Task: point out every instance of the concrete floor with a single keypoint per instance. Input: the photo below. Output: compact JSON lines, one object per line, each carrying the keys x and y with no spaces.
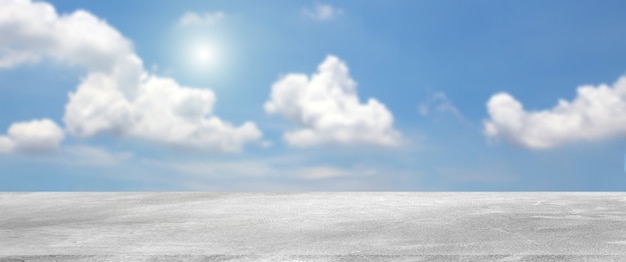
{"x":312,"y":227}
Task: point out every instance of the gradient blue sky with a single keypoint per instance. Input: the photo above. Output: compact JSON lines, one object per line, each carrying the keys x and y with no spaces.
{"x":434,"y":65}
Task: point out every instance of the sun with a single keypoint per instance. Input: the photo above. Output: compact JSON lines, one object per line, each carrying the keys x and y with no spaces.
{"x":205,"y":55}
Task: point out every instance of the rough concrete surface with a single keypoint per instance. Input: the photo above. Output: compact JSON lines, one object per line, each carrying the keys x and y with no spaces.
{"x":312,"y":226}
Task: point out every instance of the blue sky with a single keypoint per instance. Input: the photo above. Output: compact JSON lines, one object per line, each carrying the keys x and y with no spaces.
{"x":312,"y":95}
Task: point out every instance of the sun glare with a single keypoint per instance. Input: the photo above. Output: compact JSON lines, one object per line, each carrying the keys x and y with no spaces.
{"x":204,"y":55}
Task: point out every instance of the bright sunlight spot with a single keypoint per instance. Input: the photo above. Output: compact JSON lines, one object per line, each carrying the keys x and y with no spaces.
{"x":204,"y":55}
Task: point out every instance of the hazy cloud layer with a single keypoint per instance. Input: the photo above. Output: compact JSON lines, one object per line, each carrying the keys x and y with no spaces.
{"x":117,"y":96}
{"x":327,"y":107}
{"x":321,"y":12}
{"x":193,"y":18}
{"x":439,"y":102}
{"x":88,"y":155}
{"x":288,"y":167}
{"x":36,"y":136}
{"x":596,"y":113}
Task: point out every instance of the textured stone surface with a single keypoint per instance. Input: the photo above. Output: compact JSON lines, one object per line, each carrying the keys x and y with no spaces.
{"x":312,"y":227}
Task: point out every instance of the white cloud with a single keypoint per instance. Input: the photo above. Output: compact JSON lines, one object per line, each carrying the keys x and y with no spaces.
{"x":192,"y":18}
{"x":31,"y":30}
{"x":322,"y":12}
{"x":162,"y":111}
{"x":36,"y":136}
{"x":328,"y":108}
{"x":596,"y":113}
{"x":117,"y":96}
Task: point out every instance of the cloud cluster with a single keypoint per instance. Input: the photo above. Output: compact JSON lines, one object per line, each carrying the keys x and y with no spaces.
{"x":162,"y":111}
{"x":328,"y":108}
{"x":596,"y":113}
{"x":117,"y":95}
{"x":192,"y":18}
{"x":322,"y":12}
{"x":36,"y":136}
{"x":32,"y":30}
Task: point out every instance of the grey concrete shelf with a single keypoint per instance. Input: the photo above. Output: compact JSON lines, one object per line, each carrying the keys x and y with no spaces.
{"x":313,"y":226}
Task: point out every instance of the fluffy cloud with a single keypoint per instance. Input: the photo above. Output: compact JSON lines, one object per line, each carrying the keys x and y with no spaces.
{"x":596,"y":113}
{"x":162,"y":111}
{"x":31,"y":30}
{"x":36,"y":136}
{"x":117,"y":95}
{"x":191,"y":18}
{"x":322,"y":12}
{"x":328,"y":108}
